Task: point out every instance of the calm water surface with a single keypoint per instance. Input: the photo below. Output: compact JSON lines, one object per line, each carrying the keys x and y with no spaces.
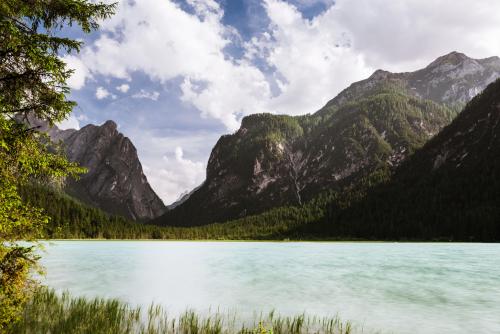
{"x":392,"y":287}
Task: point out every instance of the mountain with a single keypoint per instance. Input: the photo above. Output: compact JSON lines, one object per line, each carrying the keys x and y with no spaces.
{"x":276,"y":160}
{"x":453,"y":79}
{"x":449,"y":189}
{"x":115,"y":181}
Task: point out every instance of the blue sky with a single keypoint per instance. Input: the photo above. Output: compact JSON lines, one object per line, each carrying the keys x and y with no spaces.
{"x":177,"y":74}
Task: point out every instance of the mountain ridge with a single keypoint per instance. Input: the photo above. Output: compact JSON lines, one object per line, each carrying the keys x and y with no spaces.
{"x":275,"y":160}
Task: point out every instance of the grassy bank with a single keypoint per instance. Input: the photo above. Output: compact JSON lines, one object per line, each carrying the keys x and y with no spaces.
{"x":49,"y":312}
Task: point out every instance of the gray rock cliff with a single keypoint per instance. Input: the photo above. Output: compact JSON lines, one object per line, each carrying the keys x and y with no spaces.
{"x":115,"y":181}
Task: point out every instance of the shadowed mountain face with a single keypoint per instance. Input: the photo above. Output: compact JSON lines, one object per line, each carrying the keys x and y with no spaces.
{"x":376,"y":123}
{"x":115,"y":181}
{"x":449,"y":189}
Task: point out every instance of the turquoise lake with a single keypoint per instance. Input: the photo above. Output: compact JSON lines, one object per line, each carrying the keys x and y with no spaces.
{"x":390,"y":287}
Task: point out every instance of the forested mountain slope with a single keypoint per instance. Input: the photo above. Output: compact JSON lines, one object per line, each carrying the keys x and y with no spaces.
{"x":449,"y":189}
{"x":374,"y":124}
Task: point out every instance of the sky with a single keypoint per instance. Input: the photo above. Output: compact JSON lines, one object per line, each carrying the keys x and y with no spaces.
{"x":175,"y":75}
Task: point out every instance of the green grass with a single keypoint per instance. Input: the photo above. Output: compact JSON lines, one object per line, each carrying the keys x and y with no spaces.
{"x":49,"y":312}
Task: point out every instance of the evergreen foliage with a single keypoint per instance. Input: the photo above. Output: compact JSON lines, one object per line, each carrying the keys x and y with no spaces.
{"x":71,"y":219}
{"x":32,"y":82}
{"x":448,"y":190}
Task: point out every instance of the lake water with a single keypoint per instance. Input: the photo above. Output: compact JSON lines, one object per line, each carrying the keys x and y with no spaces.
{"x":391,"y":287}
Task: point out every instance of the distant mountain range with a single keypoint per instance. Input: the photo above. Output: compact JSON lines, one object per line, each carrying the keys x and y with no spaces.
{"x":115,"y":181}
{"x":375,"y":124}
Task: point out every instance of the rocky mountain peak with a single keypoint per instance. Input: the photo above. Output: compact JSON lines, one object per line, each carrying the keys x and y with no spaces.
{"x":454,"y":79}
{"x":380,"y":75}
{"x":454,"y":58}
{"x":109,"y":125}
{"x":492,"y":61}
{"x":54,"y":132}
{"x":115,"y":181}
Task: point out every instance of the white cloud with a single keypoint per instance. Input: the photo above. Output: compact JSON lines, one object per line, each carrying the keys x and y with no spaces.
{"x":313,"y":61}
{"x":174,"y":161}
{"x":71,"y":122}
{"x":160,"y":39}
{"x":123,"y":88}
{"x":151,"y":31}
{"x":82,"y":118}
{"x":401,"y":35}
{"x":143,"y":94}
{"x":101,"y":93}
{"x":80,"y":72}
{"x":177,"y":176}
{"x":205,"y":8}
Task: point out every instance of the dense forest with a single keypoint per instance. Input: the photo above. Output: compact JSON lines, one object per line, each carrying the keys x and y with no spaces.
{"x":71,"y":219}
{"x":449,"y":190}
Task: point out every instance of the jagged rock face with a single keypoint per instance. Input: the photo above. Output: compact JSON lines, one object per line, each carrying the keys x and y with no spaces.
{"x":280,"y":160}
{"x":115,"y":181}
{"x":453,"y":79}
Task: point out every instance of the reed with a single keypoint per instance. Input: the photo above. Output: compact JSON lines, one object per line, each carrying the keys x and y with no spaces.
{"x":50,"y":312}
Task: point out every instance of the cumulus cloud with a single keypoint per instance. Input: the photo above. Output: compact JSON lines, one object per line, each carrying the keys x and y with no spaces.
{"x":313,"y":62}
{"x":165,"y":42}
{"x":72,"y":122}
{"x":174,"y":162}
{"x":101,"y":93}
{"x":315,"y":59}
{"x":123,"y":88}
{"x":398,"y":35}
{"x":80,"y":72}
{"x":143,"y":94}
{"x":309,"y":61}
{"x":179,"y":175}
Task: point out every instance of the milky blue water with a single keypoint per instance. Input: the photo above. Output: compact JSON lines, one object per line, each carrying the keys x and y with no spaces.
{"x":391,"y":287}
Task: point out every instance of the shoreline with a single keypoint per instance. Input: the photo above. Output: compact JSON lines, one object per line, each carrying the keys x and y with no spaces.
{"x":274,"y":241}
